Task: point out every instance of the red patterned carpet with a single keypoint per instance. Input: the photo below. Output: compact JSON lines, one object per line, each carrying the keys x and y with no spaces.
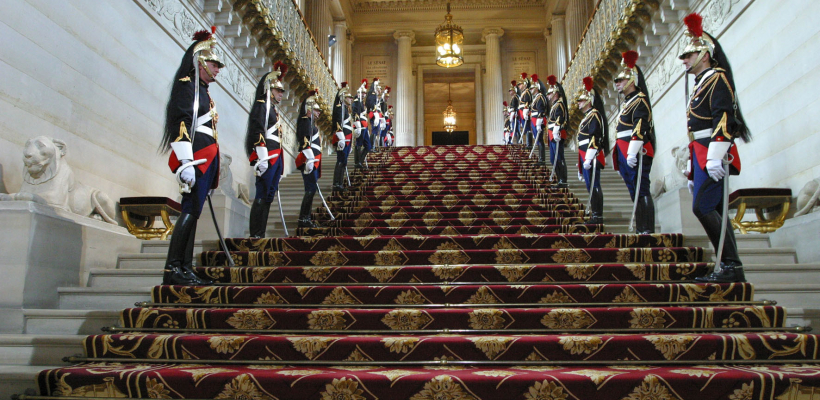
{"x":452,"y":272}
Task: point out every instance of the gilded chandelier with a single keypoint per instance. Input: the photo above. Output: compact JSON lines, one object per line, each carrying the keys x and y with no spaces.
{"x":449,"y":43}
{"x":449,"y":114}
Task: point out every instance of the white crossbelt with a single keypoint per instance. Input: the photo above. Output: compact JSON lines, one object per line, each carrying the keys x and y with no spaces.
{"x":623,"y":134}
{"x":270,"y":133}
{"x":702,"y":134}
{"x":314,"y":145}
{"x":583,"y":142}
{"x":201,"y":121}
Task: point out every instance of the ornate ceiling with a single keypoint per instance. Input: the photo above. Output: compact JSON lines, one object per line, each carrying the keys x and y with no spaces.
{"x":439,"y":5}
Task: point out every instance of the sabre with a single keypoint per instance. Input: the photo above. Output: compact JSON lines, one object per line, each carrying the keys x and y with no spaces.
{"x":184,"y":187}
{"x":557,"y":161}
{"x":219,"y":235}
{"x":332,"y":218}
{"x":592,"y":184}
{"x":727,"y":160}
{"x":281,"y":213}
{"x":537,"y":135}
{"x":637,"y":191}
{"x":347,"y":175}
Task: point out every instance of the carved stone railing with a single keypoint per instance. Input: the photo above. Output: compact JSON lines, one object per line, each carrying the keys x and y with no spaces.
{"x":280,"y":29}
{"x":614,"y":28}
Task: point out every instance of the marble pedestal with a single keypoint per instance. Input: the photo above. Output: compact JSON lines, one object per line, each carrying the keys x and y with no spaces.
{"x":43,"y":248}
{"x":674,"y":213}
{"x":800,"y":233}
{"x":231,"y":213}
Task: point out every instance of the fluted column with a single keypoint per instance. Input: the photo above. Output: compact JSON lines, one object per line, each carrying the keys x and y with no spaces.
{"x":349,"y":58}
{"x":340,"y":53}
{"x":493,"y":96}
{"x":319,"y":20}
{"x":481,"y":133}
{"x":405,"y":126}
{"x":559,"y":45}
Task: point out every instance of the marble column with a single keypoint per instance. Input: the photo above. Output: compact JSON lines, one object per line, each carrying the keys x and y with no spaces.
{"x":481,"y":136}
{"x":405,"y":90}
{"x":421,"y":129}
{"x":319,"y":20}
{"x":559,"y":46}
{"x":493,"y":96}
{"x":349,"y":59}
{"x":340,"y":53}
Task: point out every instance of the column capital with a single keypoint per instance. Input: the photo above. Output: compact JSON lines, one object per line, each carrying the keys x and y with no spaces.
{"x":557,"y":18}
{"x":493,"y":30}
{"x":400,"y":34}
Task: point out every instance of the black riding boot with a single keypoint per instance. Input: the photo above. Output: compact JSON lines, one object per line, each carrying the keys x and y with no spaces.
{"x":363,"y":158}
{"x":728,"y":268}
{"x":357,"y":161}
{"x":646,"y":215}
{"x":542,"y":154}
{"x":188,"y":261}
{"x":597,"y":206}
{"x":338,"y":178}
{"x":561,"y":171}
{"x":175,"y":272}
{"x":304,"y":212}
{"x":259,"y":218}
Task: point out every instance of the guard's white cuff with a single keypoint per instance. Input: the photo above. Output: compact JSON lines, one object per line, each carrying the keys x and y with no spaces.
{"x":308,"y":154}
{"x":634,"y":147}
{"x":262,"y":152}
{"x":590,"y":154}
{"x":340,"y":135}
{"x":183,"y":150}
{"x":525,"y":112}
{"x":556,"y":130}
{"x":718,"y":150}
{"x":357,"y":124}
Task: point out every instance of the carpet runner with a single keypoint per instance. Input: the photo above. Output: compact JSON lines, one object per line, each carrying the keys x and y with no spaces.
{"x":450,"y":272}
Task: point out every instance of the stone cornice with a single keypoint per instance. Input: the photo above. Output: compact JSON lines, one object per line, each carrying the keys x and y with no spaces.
{"x":405,"y":33}
{"x":364,"y":6}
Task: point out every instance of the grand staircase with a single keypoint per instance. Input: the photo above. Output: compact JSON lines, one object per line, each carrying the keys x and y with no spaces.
{"x":449,"y":273}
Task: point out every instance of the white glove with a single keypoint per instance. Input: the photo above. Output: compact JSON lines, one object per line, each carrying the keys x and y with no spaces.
{"x":589,"y":157}
{"x":340,"y":145}
{"x":715,"y":169}
{"x":714,"y":159}
{"x":357,"y":132}
{"x":632,"y":153}
{"x":382,"y":124}
{"x":188,"y":175}
{"x":556,"y":133}
{"x":308,"y":168}
{"x":580,"y":177}
{"x":691,"y":186}
{"x":261,"y":167}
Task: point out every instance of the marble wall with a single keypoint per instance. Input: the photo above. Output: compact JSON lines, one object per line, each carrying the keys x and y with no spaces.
{"x":772,"y":49}
{"x":98,"y":78}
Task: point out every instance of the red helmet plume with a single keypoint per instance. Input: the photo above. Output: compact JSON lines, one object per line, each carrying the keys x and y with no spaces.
{"x":534,"y":77}
{"x":281,"y":67}
{"x":694,"y":24}
{"x":344,"y":85}
{"x":552,"y":80}
{"x":588,"y":83}
{"x":524,"y":76}
{"x":630,"y":58}
{"x":513,"y":82}
{"x":505,"y":104}
{"x":203,"y":34}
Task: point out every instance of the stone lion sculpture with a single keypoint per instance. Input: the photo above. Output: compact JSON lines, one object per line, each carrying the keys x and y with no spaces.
{"x":47,"y":179}
{"x":676,"y":177}
{"x":808,"y":200}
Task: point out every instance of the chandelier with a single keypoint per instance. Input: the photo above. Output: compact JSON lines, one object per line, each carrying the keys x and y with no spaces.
{"x":449,"y":42}
{"x":449,"y":114}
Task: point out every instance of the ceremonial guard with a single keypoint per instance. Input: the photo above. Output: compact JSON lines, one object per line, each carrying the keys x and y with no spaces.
{"x":388,"y":116}
{"x":343,"y":125}
{"x":524,"y":100}
{"x":374,"y":112}
{"x":635,"y":145}
{"x":383,"y":122}
{"x":309,"y":160}
{"x":557,"y":128}
{"x":359,"y":112}
{"x":507,"y":127}
{"x":714,"y":122}
{"x":593,"y":145}
{"x":262,"y":145}
{"x":191,"y":136}
{"x":538,"y":116}
{"x":513,"y":112}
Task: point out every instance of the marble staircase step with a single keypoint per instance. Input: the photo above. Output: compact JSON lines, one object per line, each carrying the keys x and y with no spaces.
{"x":125,"y":278}
{"x":38,"y":349}
{"x":17,"y":379}
{"x":144,"y":260}
{"x":92,"y":298}
{"x":801,"y":294}
{"x":743,"y":241}
{"x":773,"y":255}
{"x":69,"y":322}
